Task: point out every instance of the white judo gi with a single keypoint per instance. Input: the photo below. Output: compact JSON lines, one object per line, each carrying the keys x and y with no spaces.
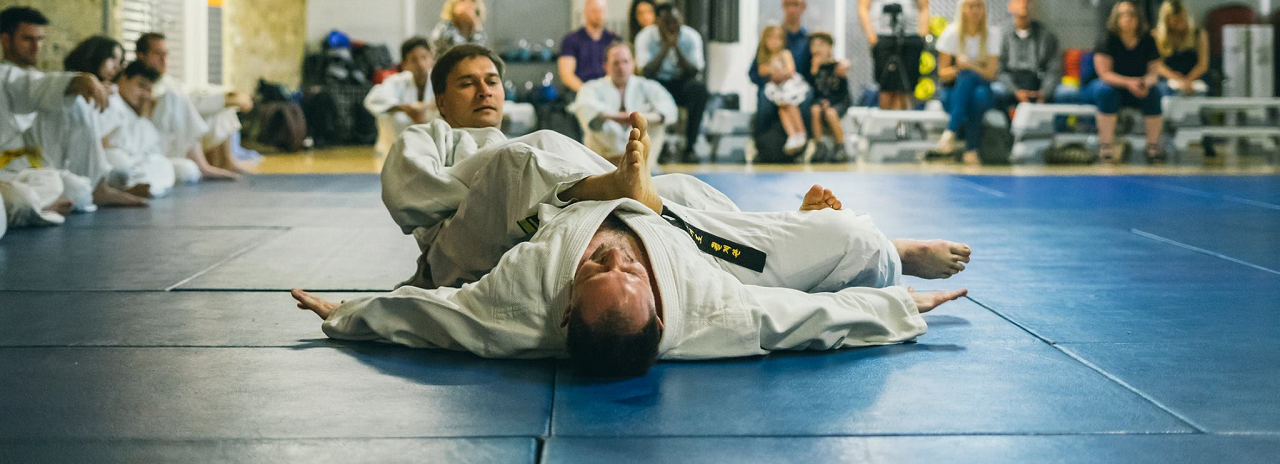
{"x":515,"y":310}
{"x":395,"y":90}
{"x":135,"y":149}
{"x":433,"y":169}
{"x":49,"y":148}
{"x":600,"y":96}
{"x":187,"y":118}
{"x":828,"y":281}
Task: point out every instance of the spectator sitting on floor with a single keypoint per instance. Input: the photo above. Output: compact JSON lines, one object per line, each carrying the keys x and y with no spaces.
{"x":774,"y":58}
{"x":831,"y":99}
{"x":1030,"y":63}
{"x":968,"y":60}
{"x":406,"y":98}
{"x":671,"y":53}
{"x":1184,"y":52}
{"x":1127,"y":60}
{"x":582,"y":52}
{"x":604,"y":106}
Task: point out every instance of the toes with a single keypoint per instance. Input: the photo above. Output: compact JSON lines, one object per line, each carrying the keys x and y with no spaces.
{"x":960,"y":249}
{"x":638,"y":121}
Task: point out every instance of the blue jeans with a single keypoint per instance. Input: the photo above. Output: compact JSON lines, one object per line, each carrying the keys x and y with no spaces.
{"x":1110,"y":99}
{"x":1006,"y":97}
{"x":966,"y":102}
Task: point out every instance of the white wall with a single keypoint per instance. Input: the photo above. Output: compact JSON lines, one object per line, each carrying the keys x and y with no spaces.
{"x":728,"y":63}
{"x":374,"y":21}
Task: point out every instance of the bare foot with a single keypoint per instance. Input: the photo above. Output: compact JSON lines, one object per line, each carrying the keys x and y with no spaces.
{"x":106,"y":195}
{"x":934,"y":259}
{"x":818,"y":199}
{"x":140,"y":190}
{"x":217,"y":173}
{"x":632,"y":176}
{"x":927,"y":301}
{"x":63,"y":207}
{"x":971,"y":158}
{"x":313,"y":303}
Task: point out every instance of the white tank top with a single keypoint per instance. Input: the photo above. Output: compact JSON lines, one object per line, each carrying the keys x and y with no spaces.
{"x":908,"y":20}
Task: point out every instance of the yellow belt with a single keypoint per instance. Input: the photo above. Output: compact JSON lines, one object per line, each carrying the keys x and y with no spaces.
{"x":32,"y":154}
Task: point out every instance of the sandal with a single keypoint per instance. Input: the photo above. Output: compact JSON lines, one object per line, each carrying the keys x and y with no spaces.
{"x":1110,"y":153}
{"x":1155,"y":155}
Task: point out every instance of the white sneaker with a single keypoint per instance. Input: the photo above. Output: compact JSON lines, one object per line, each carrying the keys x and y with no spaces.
{"x":794,"y":142}
{"x":947,"y":143}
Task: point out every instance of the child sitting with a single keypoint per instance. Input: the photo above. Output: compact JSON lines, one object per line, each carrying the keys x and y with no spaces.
{"x":831,"y":99}
{"x":775,"y":60}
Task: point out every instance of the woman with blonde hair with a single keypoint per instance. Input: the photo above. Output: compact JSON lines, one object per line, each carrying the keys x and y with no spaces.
{"x":1126,"y":61}
{"x":968,"y":61}
{"x":461,"y":22}
{"x":1184,"y":51}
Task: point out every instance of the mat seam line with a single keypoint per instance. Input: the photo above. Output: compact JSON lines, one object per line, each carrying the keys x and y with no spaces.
{"x":980,"y":187}
{"x":1169,"y":241}
{"x":1205,"y":194}
{"x":1095,"y":368}
{"x":235,"y":255}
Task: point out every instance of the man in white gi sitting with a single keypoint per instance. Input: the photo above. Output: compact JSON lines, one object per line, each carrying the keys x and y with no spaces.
{"x":603,"y":106}
{"x":197,"y":124}
{"x":404,"y":99}
{"x":51,"y":157}
{"x":134,"y":147}
{"x":627,"y":276}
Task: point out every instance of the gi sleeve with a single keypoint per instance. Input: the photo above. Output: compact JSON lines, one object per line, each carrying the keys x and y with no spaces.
{"x":662,"y":101}
{"x":587,"y":106}
{"x":857,"y":316}
{"x":381,"y":98}
{"x":416,"y":188}
{"x":29,"y":92}
{"x":209,"y":101}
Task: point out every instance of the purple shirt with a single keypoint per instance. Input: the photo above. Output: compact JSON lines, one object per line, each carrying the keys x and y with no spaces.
{"x":588,"y":52}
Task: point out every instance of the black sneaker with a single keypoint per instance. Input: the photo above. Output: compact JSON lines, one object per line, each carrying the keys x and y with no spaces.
{"x":839,"y":155}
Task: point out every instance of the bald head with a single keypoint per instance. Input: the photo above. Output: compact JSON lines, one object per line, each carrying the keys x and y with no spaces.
{"x":594,"y":12}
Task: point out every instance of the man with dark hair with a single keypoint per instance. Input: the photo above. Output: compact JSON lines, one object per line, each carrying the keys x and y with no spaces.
{"x":197,"y":124}
{"x":604,"y":262}
{"x":1030,"y":62}
{"x":671,"y":53}
{"x":39,"y":128}
{"x":133,"y":145}
{"x":406,"y":98}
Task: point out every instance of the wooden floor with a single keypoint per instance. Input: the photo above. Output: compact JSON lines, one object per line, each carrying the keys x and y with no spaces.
{"x":363,"y":160}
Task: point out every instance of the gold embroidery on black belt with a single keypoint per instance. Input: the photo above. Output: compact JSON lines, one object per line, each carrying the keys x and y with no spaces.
{"x":728,"y":250}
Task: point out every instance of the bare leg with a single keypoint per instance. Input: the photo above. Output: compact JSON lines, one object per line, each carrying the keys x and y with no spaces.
{"x":1107,"y":137}
{"x":62,"y":206}
{"x":833,"y":120}
{"x":106,"y":195}
{"x":207,"y":170}
{"x":818,"y":198}
{"x":220,"y":156}
{"x":140,"y":190}
{"x":797,"y":120}
{"x":928,"y":301}
{"x":1155,"y":124}
{"x":313,"y":303}
{"x":785,"y":118}
{"x":817,"y":121}
{"x":934,"y":259}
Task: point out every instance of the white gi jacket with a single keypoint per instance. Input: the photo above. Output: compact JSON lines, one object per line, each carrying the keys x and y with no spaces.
{"x":514,"y":311}
{"x":187,"y":118}
{"x":135,"y":149}
{"x":36,"y":112}
{"x":397,"y":89}
{"x":600,"y":96}
{"x":433,"y":168}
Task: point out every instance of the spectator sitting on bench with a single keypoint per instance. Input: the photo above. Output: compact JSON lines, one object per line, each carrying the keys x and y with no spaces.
{"x":774,"y":58}
{"x":1126,"y":60}
{"x":968,"y":60}
{"x":1030,"y":63}
{"x":831,"y":99}
{"x":1184,"y":52}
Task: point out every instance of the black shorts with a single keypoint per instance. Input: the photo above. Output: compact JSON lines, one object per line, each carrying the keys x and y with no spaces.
{"x":901,"y":80}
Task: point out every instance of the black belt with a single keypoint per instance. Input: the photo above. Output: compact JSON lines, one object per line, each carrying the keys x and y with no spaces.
{"x":720,"y":247}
